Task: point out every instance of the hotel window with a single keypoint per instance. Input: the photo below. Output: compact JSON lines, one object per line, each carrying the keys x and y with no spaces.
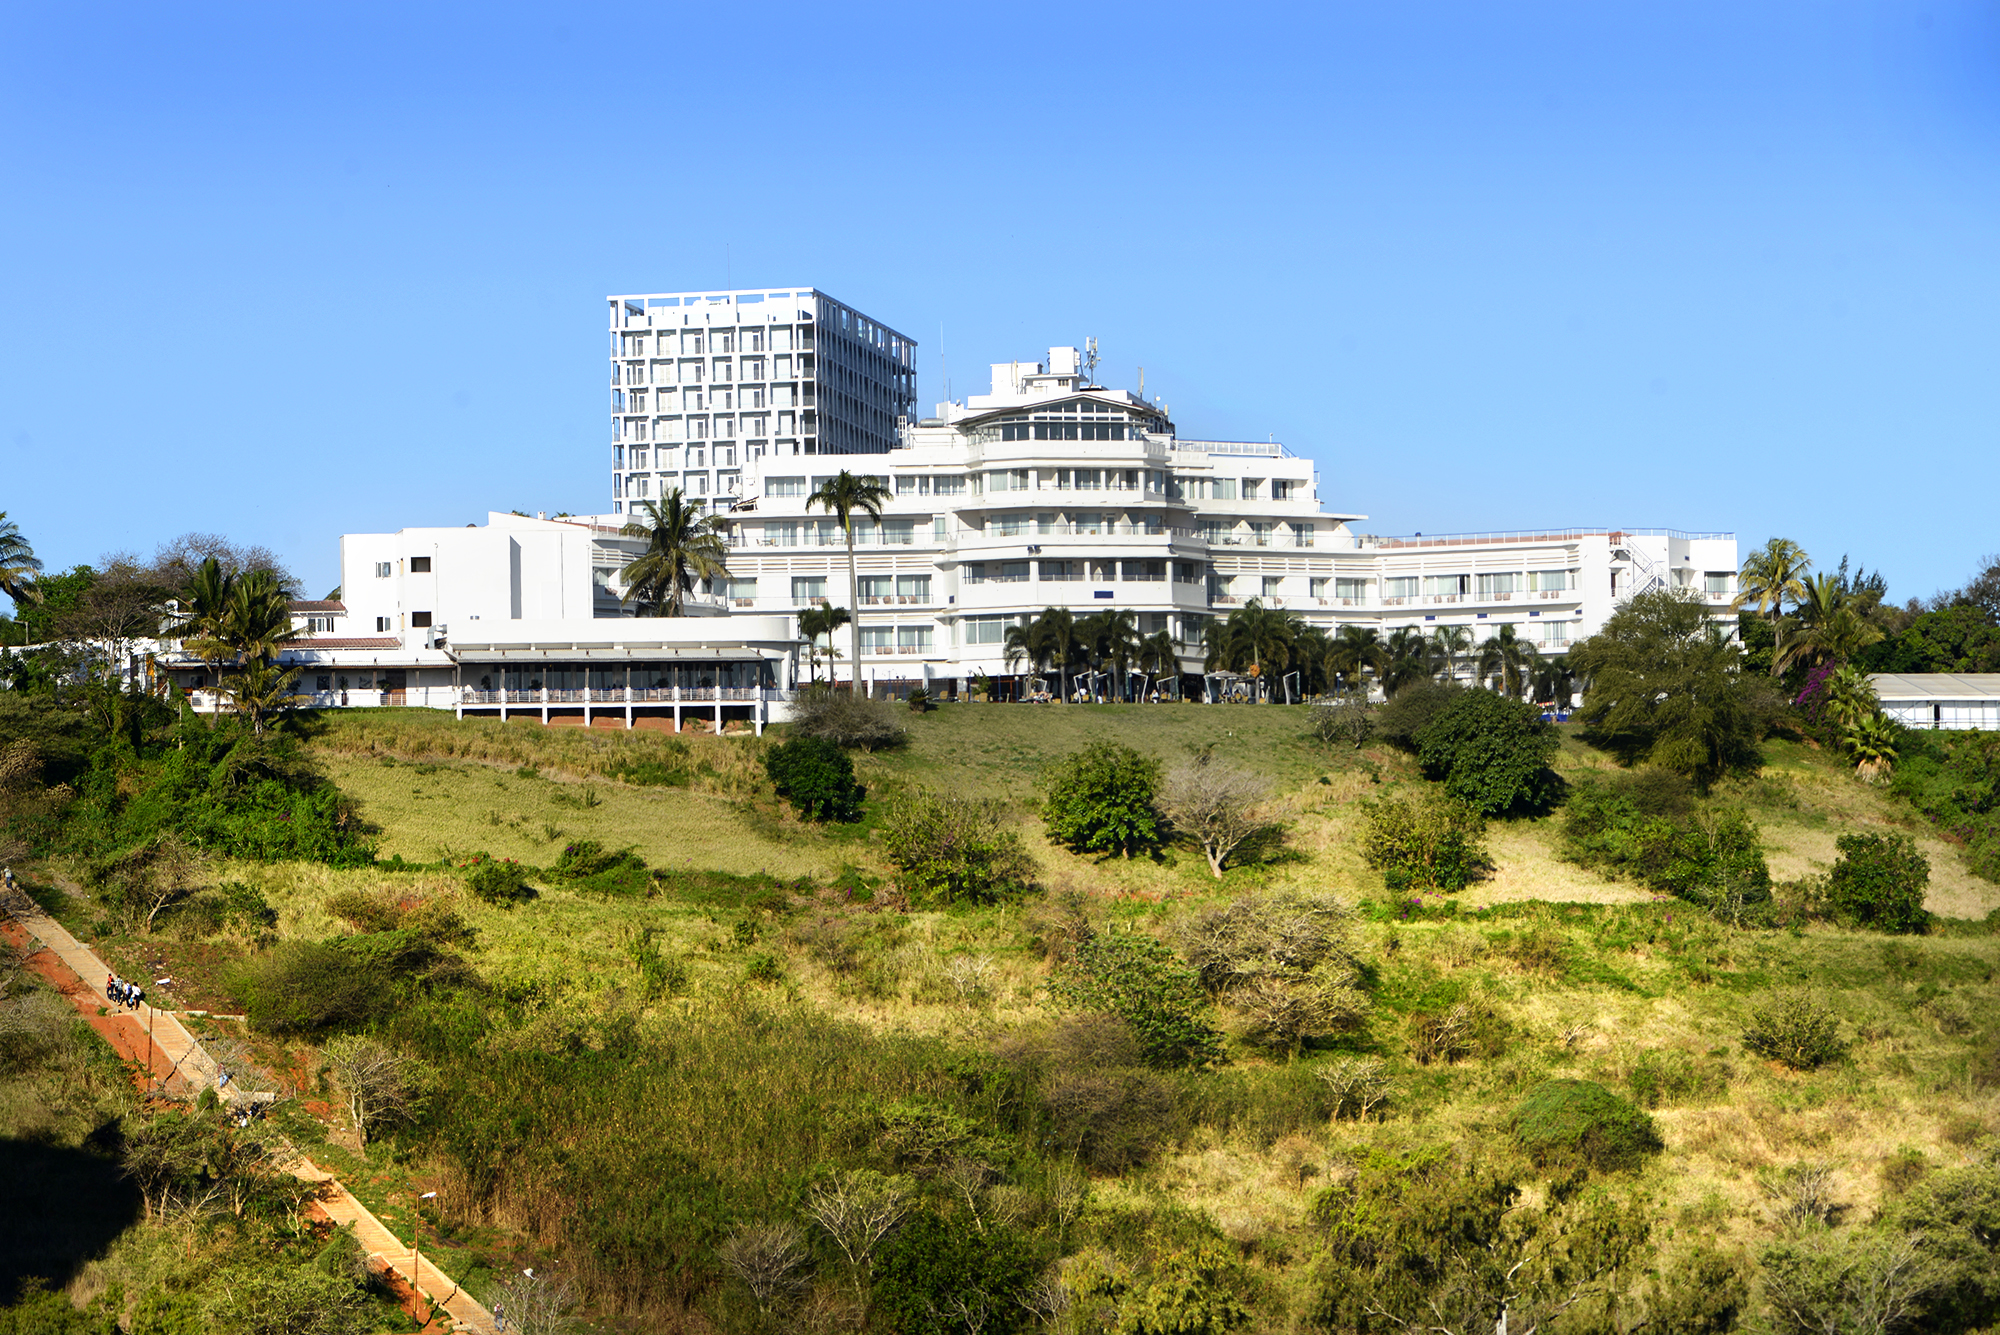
{"x":805,"y":588}
{"x":1551,"y":581}
{"x":1222,"y":489}
{"x":383,"y":569}
{"x":914,"y":588}
{"x":1350,"y":588}
{"x":1400,"y":586}
{"x":1445,"y":586}
{"x":986,"y":630}
{"x":1272,"y":585}
{"x":1716,"y":582}
{"x":914,"y":639}
{"x":877,"y":639}
{"x":1317,"y":587}
{"x":974,"y":572}
{"x":420,"y":565}
{"x":721,"y":369}
{"x":420,"y":620}
{"x":1498,"y":584}
{"x":381,"y":623}
{"x":785,"y":486}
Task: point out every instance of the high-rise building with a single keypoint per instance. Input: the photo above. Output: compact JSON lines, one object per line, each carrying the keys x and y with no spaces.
{"x":704,"y":382}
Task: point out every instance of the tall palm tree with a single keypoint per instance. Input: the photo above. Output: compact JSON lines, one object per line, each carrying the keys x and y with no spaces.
{"x":257,"y":621}
{"x":1511,"y":658}
{"x":1111,"y":638}
{"x":200,"y":620}
{"x":1771,"y":574}
{"x":841,"y":496}
{"x":1447,"y":643}
{"x":1049,"y":640}
{"x":1354,"y":649}
{"x":1157,"y":655}
{"x":1407,"y":658}
{"x":683,"y":544}
{"x":262,"y":688}
{"x":817,"y":621}
{"x":18,"y":565}
{"x":1315,"y":653}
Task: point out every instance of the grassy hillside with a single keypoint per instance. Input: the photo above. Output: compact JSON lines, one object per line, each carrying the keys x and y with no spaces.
{"x":684,"y":1059}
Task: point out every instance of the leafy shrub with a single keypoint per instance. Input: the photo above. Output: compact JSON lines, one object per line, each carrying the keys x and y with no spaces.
{"x":817,"y":777}
{"x":1581,"y":1124}
{"x":1429,"y":842}
{"x":1796,"y":1030}
{"x":1879,"y":881}
{"x":1872,"y":1280}
{"x":1143,"y":983}
{"x":304,"y":987}
{"x":1491,"y":753}
{"x":1286,"y":960}
{"x":500,"y":881}
{"x":1102,"y":1105}
{"x":588,"y":865}
{"x":1411,"y":709}
{"x":1954,"y":1215}
{"x":1100,"y":800}
{"x":933,"y":1268}
{"x":669,"y":769}
{"x":763,"y":967}
{"x":845,"y":719}
{"x":1649,"y":828}
{"x":953,"y":850}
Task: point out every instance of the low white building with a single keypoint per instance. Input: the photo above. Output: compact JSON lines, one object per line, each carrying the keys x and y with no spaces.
{"x":1950,"y":700}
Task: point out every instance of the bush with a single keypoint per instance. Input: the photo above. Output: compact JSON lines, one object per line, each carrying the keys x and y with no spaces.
{"x":953,"y":850}
{"x":1411,"y":709}
{"x":1879,"y":881}
{"x":1101,"y":1105}
{"x":1662,"y":1077}
{"x":1581,"y":1124}
{"x":936,"y":1277}
{"x":817,"y":777}
{"x":588,"y":865}
{"x":500,"y":881}
{"x":1647,"y":825}
{"x":1431,"y":842}
{"x":1144,"y":984}
{"x":1285,"y":960}
{"x":1100,"y":800}
{"x":304,"y":987}
{"x":845,"y":719}
{"x":1491,"y":753}
{"x":1796,"y":1030}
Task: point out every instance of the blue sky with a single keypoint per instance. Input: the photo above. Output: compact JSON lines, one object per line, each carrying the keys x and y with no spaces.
{"x":286,"y":272}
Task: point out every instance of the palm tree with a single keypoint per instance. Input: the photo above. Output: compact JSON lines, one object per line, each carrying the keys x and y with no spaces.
{"x":200,"y":620}
{"x":1447,"y":643}
{"x":261,"y":689}
{"x":1512,"y":658}
{"x":1871,"y":741}
{"x":257,"y":621}
{"x":1771,"y":574}
{"x":1553,"y":681}
{"x":1111,"y":638}
{"x":1157,"y":655}
{"x":1353,"y":649}
{"x":1049,"y":640}
{"x":840,"y":496}
{"x":817,"y":621}
{"x":1406,"y":657}
{"x":18,"y":565}
{"x":683,"y":545}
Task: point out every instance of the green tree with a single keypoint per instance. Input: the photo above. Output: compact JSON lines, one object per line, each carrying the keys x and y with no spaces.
{"x":1430,"y":842}
{"x":1158,"y":656}
{"x":1100,"y":800}
{"x":941,"y":1277}
{"x":1510,"y":658}
{"x":817,"y":777}
{"x":1666,"y":685}
{"x":1879,"y":881}
{"x":1353,"y":651}
{"x":1406,"y":659}
{"x":1112,"y":640}
{"x":1772,"y":574}
{"x":200,"y":619}
{"x":683,"y":545}
{"x":1491,"y":753}
{"x":818,"y":621}
{"x":843,"y":496}
{"x":18,"y":564}
{"x":1143,"y":983}
{"x":1048,"y":640}
{"x":1449,"y":644}
{"x":954,"y":850}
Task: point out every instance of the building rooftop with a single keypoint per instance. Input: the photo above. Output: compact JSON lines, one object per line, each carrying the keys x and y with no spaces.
{"x":1936,"y":685}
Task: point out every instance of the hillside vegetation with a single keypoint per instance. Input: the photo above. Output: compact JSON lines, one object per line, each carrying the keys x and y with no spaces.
{"x":707,"y":1037}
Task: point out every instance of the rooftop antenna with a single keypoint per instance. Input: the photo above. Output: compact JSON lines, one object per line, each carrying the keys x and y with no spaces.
{"x":1142,"y":382}
{"x":1090,"y":361}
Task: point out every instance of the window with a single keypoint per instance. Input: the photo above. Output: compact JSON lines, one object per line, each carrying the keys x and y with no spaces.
{"x":1445,"y":586}
{"x":419,"y":620}
{"x":913,"y":588}
{"x":1223,"y":489}
{"x":1500,"y":585}
{"x":875,"y":588}
{"x":986,"y":630}
{"x":383,"y":569}
{"x":1061,"y":571}
{"x":1350,"y":588}
{"x":323,"y":683}
{"x":913,"y":639}
{"x":1007,"y":479}
{"x":1317,"y":587}
{"x":420,"y":565}
{"x":785,"y":486}
{"x":1400,"y":586}
{"x":949,"y":486}
{"x":1252,"y":486}
{"x":805,"y":588}
{"x":1272,"y":585}
{"x":974,"y":572}
{"x":1716,"y":582}
{"x":1551,"y":581}
{"x":1282,"y":488}
{"x":381,"y":623}
{"x":877,"y":639}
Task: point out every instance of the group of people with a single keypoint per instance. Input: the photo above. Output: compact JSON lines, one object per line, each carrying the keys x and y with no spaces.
{"x":129,"y":995}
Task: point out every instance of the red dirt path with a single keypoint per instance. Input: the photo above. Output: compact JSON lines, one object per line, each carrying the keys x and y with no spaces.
{"x":123,"y":1030}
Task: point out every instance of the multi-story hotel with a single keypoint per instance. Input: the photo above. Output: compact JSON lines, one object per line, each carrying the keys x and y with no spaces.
{"x":705,"y":384}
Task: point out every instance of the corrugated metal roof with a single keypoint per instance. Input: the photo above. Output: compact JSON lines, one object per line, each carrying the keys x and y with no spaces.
{"x":345,"y":642}
{"x":317,"y":605}
{"x":1936,"y":685}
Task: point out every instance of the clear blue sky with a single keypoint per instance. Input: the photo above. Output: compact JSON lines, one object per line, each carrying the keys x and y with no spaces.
{"x":285,"y":271}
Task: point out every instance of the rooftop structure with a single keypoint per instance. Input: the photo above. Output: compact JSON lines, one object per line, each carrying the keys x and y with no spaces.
{"x":1951,"y":700}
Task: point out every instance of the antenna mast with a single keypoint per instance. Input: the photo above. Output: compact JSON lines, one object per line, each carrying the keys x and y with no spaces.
{"x":1090,"y":361}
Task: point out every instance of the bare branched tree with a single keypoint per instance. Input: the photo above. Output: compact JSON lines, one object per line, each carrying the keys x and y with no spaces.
{"x":1216,"y":805}
{"x":1358,"y":1085}
{"x":383,"y":1086}
{"x":858,"y":1210}
{"x":770,"y":1259}
{"x":539,"y":1304}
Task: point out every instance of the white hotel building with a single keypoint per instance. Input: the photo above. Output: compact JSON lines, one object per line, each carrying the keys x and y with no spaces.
{"x":1049,"y":490}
